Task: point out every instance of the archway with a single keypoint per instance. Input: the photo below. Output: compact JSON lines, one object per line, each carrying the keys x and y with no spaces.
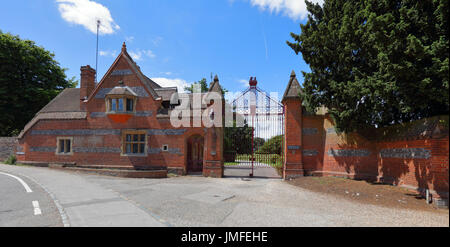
{"x":195,"y":145}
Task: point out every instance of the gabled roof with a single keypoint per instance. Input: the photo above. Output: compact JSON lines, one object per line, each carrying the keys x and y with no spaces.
{"x":147,"y":82}
{"x":122,"y":91}
{"x":215,"y":85}
{"x":66,"y":105}
{"x":293,"y":88}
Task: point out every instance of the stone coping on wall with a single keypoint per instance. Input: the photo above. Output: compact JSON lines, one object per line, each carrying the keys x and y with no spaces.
{"x":434,"y":127}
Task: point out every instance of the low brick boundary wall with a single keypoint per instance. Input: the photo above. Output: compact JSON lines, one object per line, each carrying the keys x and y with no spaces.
{"x":7,"y":145}
{"x":413,"y":155}
{"x":125,"y":172}
{"x":121,"y":173}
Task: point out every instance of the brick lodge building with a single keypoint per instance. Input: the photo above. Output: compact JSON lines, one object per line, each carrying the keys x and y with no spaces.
{"x":121,"y":122}
{"x":124,"y":122}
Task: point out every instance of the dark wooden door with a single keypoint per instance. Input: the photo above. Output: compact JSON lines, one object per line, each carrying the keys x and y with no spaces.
{"x":195,"y":154}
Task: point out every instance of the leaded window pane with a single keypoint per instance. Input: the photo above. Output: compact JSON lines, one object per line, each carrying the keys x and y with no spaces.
{"x":61,"y":146}
{"x":120,"y":105}
{"x":113,"y":105}
{"x":68,"y":144}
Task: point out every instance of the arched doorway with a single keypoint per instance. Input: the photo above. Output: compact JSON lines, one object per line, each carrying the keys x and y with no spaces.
{"x":195,"y":154}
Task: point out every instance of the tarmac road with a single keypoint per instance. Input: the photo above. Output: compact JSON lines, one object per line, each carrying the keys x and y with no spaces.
{"x":24,"y":203}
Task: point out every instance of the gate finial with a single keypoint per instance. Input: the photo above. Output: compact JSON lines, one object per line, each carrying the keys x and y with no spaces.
{"x":253,"y":82}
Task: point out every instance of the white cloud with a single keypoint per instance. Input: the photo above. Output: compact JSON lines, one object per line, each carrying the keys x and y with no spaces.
{"x":135,"y":55}
{"x":156,"y":41}
{"x":166,"y":73}
{"x":167,"y":82}
{"x":294,"y":9}
{"x":243,"y":82}
{"x":138,"y":54}
{"x":129,"y":39}
{"x":108,"y":53}
{"x":86,"y":13}
{"x":149,"y":53}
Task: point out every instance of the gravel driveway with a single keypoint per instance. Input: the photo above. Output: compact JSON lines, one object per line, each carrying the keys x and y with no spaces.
{"x":199,"y":201}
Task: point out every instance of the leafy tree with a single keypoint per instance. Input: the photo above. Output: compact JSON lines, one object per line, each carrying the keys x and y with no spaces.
{"x":29,"y":79}
{"x":238,"y":139}
{"x":203,"y":86}
{"x":273,"y":145}
{"x":258,"y":142}
{"x":376,"y":62}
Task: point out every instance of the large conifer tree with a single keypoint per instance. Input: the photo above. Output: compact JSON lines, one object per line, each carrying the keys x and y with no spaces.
{"x":376,"y":62}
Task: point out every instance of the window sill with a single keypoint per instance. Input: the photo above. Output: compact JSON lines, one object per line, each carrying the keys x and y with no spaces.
{"x":64,"y":154}
{"x":134,"y":155}
{"x":121,"y":112}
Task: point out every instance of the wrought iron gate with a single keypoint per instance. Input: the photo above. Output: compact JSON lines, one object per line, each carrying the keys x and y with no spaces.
{"x":256,"y":136}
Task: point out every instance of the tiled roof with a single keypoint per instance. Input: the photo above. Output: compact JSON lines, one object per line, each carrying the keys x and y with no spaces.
{"x":166,"y":92}
{"x":149,"y":84}
{"x":152,"y":83}
{"x":293,"y":89}
{"x":52,"y":116}
{"x":67,"y":101}
{"x":122,"y":91}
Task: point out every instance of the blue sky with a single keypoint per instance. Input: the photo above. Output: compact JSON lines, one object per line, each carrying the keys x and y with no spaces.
{"x":174,"y":42}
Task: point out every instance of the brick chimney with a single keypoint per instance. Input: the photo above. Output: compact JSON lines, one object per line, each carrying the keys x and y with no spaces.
{"x":87,"y":84}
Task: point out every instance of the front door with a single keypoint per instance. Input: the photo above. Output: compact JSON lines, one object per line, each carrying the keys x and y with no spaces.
{"x":195,"y":154}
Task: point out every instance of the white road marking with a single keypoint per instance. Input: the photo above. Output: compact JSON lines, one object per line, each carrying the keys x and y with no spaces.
{"x":25,"y":185}
{"x":37,"y":210}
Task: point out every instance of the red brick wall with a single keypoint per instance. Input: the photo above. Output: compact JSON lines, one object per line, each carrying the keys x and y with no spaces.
{"x":293,"y":138}
{"x":313,"y":141}
{"x":161,"y":159}
{"x":422,"y":173}
{"x":356,"y":166}
{"x":417,"y":173}
{"x":175,"y":158}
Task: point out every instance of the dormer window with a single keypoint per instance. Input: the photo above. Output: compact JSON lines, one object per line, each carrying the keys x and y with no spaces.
{"x":121,"y":100}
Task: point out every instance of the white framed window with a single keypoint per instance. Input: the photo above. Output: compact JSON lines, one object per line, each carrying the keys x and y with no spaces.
{"x":165,"y":148}
{"x":64,"y":145}
{"x":115,"y":104}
